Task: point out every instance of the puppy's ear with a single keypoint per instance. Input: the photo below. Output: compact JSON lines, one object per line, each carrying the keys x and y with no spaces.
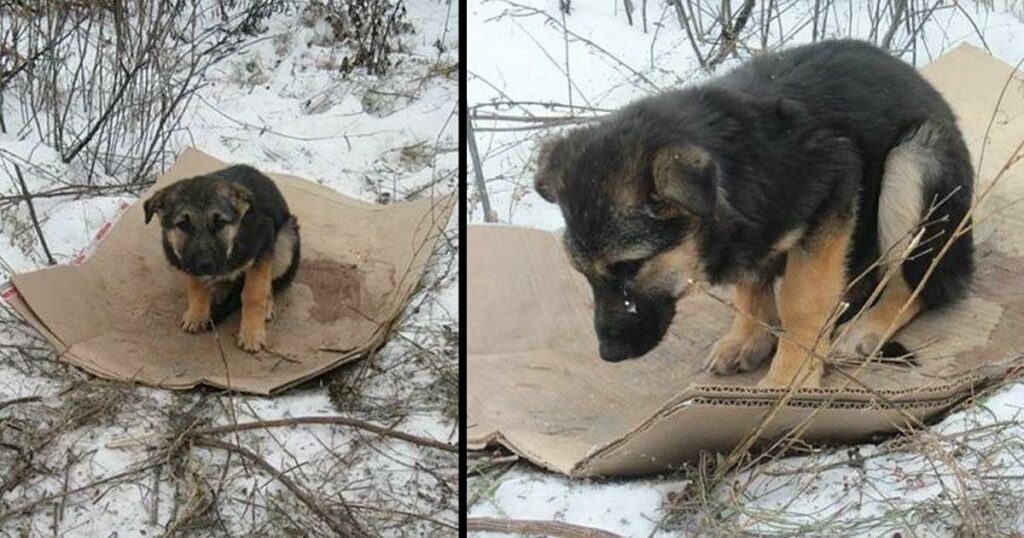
{"x":552,"y":162}
{"x":783,"y":114}
{"x":156,"y":203}
{"x":685,"y":181}
{"x":240,"y":196}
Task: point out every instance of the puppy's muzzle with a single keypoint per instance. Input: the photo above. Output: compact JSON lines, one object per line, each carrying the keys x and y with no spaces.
{"x":630,"y":329}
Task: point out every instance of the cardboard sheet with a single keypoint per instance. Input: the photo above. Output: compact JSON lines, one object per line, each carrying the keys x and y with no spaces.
{"x":537,"y":386}
{"x":116,"y":314}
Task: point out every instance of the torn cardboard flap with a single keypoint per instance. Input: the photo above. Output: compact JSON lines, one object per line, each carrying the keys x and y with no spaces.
{"x":537,"y":386}
{"x":116,"y":315}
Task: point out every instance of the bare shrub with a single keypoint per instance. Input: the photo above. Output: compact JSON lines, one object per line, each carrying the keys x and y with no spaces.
{"x":106,"y":82}
{"x":370,"y":27}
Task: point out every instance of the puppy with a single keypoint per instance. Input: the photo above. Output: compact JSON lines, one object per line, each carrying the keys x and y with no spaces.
{"x":232,"y":235}
{"x":791,"y":178}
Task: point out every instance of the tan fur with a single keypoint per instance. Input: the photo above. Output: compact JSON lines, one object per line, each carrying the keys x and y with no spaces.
{"x":628,"y":253}
{"x":256,"y":295}
{"x":788,"y":240}
{"x":602,"y":266}
{"x":672,"y":271}
{"x":197,"y":314}
{"x":227,"y":236}
{"x":810,"y":291}
{"x":748,"y":342}
{"x":176,"y":238}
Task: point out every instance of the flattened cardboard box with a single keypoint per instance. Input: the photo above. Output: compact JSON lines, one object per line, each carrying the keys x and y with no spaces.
{"x":116,"y":315}
{"x":537,"y":386}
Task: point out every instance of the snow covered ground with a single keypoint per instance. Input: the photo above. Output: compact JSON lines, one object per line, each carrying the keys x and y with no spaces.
{"x":279,"y":101}
{"x":529,"y":64}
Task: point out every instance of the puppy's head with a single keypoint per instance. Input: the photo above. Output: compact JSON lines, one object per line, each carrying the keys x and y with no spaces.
{"x":633,"y":210}
{"x":200,"y":218}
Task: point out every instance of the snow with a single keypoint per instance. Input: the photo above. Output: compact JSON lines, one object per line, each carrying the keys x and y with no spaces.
{"x":957,"y":476}
{"x":280,"y":103}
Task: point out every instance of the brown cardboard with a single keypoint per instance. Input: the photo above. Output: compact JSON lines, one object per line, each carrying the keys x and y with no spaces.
{"x":537,"y":386}
{"x":116,"y":314}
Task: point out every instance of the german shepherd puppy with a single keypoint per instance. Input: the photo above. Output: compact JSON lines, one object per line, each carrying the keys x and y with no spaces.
{"x":803,"y":178}
{"x":231,"y":233}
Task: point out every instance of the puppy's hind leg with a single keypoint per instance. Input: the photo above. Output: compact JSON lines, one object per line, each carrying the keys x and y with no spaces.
{"x":924,"y":193}
{"x":894,"y":309}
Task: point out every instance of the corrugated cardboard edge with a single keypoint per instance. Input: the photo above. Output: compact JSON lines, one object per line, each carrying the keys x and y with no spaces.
{"x":438,"y":214}
{"x":891,"y":411}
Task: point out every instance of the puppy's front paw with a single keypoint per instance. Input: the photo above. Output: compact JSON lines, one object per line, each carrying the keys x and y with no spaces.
{"x":252,"y":337}
{"x":194,"y":320}
{"x":735,"y":353}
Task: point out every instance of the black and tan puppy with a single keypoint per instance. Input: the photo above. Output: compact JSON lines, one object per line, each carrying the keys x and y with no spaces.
{"x":802,"y":178}
{"x":231,"y":233}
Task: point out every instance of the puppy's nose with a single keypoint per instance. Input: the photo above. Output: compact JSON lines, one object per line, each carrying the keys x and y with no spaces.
{"x":616,"y":350}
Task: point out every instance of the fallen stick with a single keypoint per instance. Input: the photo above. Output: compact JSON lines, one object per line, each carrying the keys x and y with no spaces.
{"x":535,"y":527}
{"x":338,"y":421}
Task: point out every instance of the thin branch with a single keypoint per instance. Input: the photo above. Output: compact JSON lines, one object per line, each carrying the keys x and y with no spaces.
{"x":343,"y":528}
{"x":32,"y":213}
{"x":478,"y":173}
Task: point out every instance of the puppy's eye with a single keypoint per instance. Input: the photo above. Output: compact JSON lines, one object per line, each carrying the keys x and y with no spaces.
{"x":626,"y":270}
{"x":183,"y":225}
{"x":217,"y":222}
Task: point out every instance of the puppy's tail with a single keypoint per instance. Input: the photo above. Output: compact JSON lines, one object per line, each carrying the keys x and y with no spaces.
{"x":288,"y":237}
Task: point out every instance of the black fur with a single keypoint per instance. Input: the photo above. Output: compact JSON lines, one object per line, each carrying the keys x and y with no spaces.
{"x":796,"y":139}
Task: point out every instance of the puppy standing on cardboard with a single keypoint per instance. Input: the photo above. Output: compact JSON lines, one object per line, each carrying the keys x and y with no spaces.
{"x":801,"y":177}
{"x":231,"y":233}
